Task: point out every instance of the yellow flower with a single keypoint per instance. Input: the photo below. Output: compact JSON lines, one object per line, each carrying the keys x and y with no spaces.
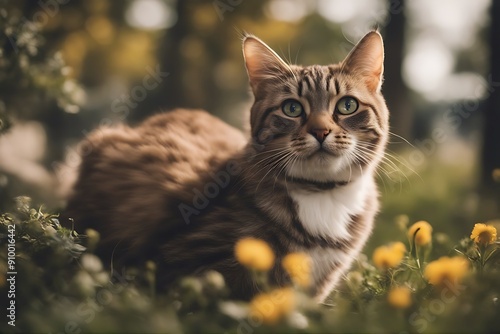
{"x":254,"y":254}
{"x":423,"y":232}
{"x":399,"y":297}
{"x":399,"y":246}
{"x":272,"y":306}
{"x":389,"y":256}
{"x":446,"y":270}
{"x":484,"y":234}
{"x":298,"y":266}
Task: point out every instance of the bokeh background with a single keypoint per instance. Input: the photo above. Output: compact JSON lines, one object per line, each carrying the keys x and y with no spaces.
{"x":68,"y":66}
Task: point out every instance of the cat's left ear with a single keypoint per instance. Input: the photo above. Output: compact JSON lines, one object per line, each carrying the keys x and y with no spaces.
{"x":261,"y":61}
{"x":367,"y":60}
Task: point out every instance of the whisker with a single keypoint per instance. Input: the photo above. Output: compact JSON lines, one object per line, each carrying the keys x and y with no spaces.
{"x":401,"y":137}
{"x":285,"y":164}
{"x":385,"y":159}
{"x":389,"y":163}
{"x":264,"y":163}
{"x":363,"y":158}
{"x":400,"y":160}
{"x":275,"y":164}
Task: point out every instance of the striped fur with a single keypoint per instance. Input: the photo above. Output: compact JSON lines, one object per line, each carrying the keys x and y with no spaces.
{"x":184,"y":187}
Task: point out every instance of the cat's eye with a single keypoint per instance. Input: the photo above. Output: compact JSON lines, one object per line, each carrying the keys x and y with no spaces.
{"x":292,"y":108}
{"x":347,"y":105}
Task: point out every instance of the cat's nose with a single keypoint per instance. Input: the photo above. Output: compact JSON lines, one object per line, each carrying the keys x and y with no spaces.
{"x":320,"y":134}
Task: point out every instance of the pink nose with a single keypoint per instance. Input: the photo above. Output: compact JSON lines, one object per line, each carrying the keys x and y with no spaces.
{"x":320,"y":134}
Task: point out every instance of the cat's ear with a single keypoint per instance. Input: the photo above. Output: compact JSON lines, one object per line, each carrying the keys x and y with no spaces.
{"x":367,"y":60}
{"x":261,"y":61}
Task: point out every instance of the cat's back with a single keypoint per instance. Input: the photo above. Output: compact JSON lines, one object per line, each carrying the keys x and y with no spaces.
{"x":188,"y":141}
{"x":127,"y":175}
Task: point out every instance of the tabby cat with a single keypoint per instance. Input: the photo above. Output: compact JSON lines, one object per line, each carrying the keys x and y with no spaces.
{"x":183,"y":187}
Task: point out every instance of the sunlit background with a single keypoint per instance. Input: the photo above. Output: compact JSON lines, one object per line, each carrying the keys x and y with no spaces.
{"x":438,"y":77}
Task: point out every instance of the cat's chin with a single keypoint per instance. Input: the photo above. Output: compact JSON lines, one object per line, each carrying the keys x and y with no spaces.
{"x":323,"y":166}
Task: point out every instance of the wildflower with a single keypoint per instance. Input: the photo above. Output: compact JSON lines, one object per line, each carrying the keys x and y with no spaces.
{"x":389,"y":256}
{"x":446,"y":270}
{"x":399,"y":246}
{"x":484,"y":234}
{"x":399,"y":297}
{"x":422,"y":232}
{"x":298,"y":266}
{"x":273,"y":306}
{"x":254,"y":254}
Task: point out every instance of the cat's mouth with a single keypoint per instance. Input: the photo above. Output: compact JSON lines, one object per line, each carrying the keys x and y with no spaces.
{"x":320,"y":166}
{"x":322,"y":153}
{"x":322,"y":156}
{"x":325,"y":152}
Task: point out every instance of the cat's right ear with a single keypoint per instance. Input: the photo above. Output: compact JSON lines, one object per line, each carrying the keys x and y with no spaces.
{"x":366,"y":60}
{"x":261,"y":61}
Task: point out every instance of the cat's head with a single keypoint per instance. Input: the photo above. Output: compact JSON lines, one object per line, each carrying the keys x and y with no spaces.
{"x":319,"y":123}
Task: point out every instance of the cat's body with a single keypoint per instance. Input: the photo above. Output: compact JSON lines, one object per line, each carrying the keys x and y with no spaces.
{"x":184,"y":187}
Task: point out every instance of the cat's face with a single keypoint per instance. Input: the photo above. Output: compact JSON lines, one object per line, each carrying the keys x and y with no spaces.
{"x":319,"y":123}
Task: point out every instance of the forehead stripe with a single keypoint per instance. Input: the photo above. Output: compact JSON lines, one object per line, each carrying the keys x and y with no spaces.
{"x":328,"y":79}
{"x":337,"y":86}
{"x":308,"y":82}
{"x":318,"y":78}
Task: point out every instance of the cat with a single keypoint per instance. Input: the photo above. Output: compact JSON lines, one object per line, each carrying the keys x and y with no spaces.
{"x":183,"y":187}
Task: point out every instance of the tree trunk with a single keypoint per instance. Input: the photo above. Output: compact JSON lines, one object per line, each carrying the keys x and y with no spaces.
{"x":395,"y":90}
{"x":171,"y":93}
{"x":491,"y":145}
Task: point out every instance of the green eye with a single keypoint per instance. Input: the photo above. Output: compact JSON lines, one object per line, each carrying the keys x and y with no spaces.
{"x":347,"y":105}
{"x":292,"y":108}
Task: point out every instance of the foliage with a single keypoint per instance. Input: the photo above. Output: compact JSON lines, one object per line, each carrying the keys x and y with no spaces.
{"x":28,"y":75}
{"x":63,"y":287}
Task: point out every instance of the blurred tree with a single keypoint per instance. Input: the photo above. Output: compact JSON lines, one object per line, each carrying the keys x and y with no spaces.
{"x":395,"y":90}
{"x":491,"y":141}
{"x":201,"y":52}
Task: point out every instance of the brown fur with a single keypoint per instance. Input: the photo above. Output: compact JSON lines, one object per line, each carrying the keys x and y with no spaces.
{"x":184,"y":187}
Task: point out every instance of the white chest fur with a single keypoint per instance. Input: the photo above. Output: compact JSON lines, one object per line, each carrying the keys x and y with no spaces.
{"x":328,"y":213}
